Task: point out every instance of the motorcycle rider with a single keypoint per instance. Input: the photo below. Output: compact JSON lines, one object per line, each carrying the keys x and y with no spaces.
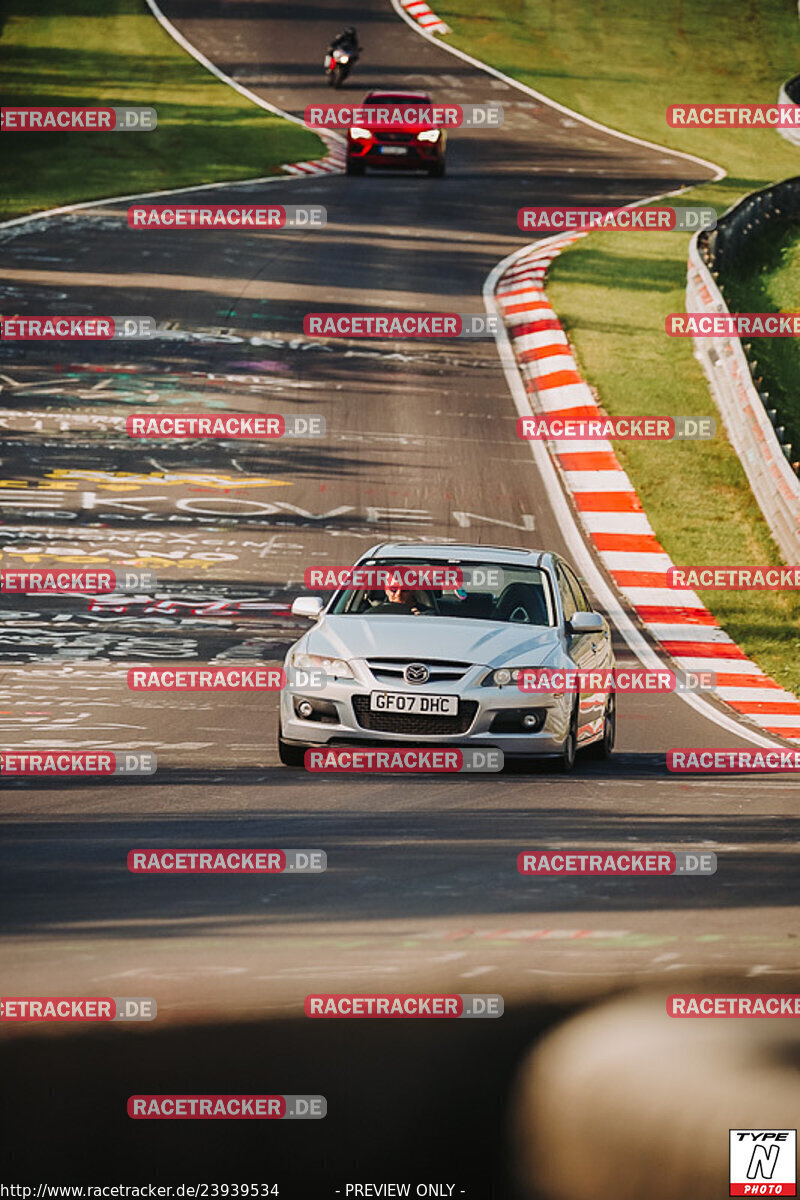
{"x":347,"y":40}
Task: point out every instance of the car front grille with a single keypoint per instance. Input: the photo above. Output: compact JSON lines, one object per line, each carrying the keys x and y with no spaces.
{"x":442,"y":670}
{"x":411,"y":723}
{"x":388,"y":135}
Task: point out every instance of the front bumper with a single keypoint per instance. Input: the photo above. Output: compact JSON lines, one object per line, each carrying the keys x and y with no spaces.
{"x":483,"y":714}
{"x":418,"y":156}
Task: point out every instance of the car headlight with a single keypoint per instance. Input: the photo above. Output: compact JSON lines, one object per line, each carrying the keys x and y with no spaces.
{"x":359,"y":133}
{"x":429,"y":135}
{"x":336,"y":667}
{"x":505,"y":676}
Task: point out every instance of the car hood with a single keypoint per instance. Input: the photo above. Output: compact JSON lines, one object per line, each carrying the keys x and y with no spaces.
{"x":484,"y":643}
{"x":406,"y":127}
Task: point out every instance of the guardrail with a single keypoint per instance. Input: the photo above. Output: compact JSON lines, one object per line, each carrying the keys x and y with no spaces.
{"x":790,"y":94}
{"x":747,"y":422}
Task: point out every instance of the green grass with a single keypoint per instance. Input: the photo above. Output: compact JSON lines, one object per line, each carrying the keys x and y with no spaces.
{"x":53,"y":53}
{"x":769,"y":281}
{"x":623,"y":64}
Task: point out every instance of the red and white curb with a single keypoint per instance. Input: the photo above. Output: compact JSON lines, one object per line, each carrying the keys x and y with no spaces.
{"x":611,"y":512}
{"x":424,"y":16}
{"x":333,"y":164}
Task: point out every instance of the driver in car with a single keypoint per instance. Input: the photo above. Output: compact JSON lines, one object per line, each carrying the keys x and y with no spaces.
{"x":399,"y":601}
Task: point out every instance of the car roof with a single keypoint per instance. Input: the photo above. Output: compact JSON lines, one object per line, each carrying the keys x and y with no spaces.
{"x":444,"y":551}
{"x":398,"y":93}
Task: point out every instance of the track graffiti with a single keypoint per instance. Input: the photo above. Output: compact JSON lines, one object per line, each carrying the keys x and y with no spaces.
{"x":187,"y":551}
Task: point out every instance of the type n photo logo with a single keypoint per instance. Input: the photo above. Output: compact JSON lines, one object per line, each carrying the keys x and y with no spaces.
{"x":763,"y":1162}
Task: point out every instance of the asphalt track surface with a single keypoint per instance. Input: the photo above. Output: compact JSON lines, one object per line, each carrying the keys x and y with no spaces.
{"x":422,"y":889}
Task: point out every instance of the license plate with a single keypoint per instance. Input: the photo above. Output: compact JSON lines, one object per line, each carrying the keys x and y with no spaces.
{"x":393,"y":149}
{"x":416,"y":703}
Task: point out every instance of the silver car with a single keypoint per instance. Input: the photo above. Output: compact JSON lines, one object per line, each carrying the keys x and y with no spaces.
{"x":441,"y":666}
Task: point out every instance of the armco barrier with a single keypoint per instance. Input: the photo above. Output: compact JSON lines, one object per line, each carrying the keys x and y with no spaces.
{"x":748,"y":218}
{"x":790,"y":94}
{"x":775,"y":485}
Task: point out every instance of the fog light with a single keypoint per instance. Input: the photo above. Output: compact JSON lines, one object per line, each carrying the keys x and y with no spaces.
{"x":305,"y":708}
{"x":518,"y":720}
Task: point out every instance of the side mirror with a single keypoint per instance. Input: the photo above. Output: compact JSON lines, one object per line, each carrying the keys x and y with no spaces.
{"x":586,"y":622}
{"x":307,"y":606}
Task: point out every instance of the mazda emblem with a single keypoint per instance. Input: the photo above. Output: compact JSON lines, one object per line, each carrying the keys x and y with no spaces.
{"x":416,"y":673}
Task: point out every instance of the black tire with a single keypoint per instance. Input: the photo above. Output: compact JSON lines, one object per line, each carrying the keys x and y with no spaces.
{"x":354,"y":168}
{"x":604,"y":749}
{"x":566,"y":760}
{"x":437,"y":171}
{"x":339,"y":76}
{"x":290,"y":756}
{"x":332,"y":78}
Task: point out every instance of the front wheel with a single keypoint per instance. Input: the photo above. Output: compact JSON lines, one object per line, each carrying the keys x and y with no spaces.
{"x":354,"y":168}
{"x":436,"y":171}
{"x":332,"y":77}
{"x":605,"y":747}
{"x":566,"y":760}
{"x":339,"y":76}
{"x":290,"y":756}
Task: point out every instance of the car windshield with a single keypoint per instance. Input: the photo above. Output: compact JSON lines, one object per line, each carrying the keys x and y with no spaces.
{"x":490,"y":592}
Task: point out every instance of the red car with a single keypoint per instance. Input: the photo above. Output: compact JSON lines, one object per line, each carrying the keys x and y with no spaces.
{"x":407,"y":147}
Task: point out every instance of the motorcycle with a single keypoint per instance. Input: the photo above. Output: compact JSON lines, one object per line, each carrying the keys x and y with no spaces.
{"x":337,"y":65}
